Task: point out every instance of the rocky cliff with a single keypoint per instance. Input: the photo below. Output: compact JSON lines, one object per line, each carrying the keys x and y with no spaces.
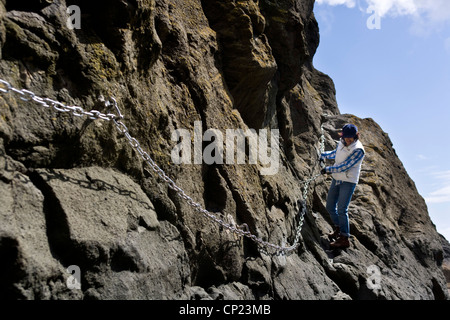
{"x":446,"y":263}
{"x":78,"y":202}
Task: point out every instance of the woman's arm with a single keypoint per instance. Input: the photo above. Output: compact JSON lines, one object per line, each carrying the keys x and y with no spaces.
{"x":328,"y":155}
{"x":351,"y":160}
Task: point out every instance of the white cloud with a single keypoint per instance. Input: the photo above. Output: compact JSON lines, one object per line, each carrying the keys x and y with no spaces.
{"x":394,"y":7}
{"x":348,"y":3}
{"x":439,"y":196}
{"x":445,"y":232}
{"x":447,"y":45}
{"x":438,"y":10}
{"x":443,"y":175}
{"x":435,"y":10}
{"x":442,"y":194}
{"x":327,"y":19}
{"x":427,"y":15}
{"x":422,"y":157}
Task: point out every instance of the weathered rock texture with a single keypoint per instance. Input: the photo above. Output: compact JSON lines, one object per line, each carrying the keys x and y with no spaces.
{"x":446,"y":263}
{"x":73,"y":191}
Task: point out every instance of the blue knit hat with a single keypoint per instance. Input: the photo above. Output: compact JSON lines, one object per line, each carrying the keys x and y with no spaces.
{"x":349,"y":131}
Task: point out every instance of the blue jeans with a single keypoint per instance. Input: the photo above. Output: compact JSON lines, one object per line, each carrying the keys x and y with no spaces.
{"x":338,"y":200}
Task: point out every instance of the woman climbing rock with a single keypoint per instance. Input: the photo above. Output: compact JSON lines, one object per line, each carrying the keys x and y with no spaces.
{"x":348,"y":157}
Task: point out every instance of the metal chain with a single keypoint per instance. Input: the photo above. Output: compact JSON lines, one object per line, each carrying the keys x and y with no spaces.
{"x":240,"y":230}
{"x":306,"y":185}
{"x":27,"y":95}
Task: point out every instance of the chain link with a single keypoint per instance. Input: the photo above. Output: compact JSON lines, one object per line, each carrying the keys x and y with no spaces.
{"x":306,"y":185}
{"x":26,"y":95}
{"x":240,"y":230}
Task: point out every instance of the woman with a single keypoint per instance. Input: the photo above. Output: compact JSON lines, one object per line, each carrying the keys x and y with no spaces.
{"x":348,"y":158}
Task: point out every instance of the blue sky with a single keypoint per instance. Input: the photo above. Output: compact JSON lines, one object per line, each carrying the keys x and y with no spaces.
{"x":397,"y":73}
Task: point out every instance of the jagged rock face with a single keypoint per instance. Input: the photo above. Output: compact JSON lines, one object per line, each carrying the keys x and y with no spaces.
{"x":74,"y":192}
{"x":446,"y":263}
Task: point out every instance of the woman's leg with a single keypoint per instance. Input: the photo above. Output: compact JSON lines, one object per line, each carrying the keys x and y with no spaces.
{"x":346,"y":190}
{"x":332,"y":201}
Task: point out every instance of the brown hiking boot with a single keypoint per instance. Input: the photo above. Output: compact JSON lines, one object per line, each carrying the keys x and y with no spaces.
{"x":342,"y":242}
{"x":335,"y":234}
